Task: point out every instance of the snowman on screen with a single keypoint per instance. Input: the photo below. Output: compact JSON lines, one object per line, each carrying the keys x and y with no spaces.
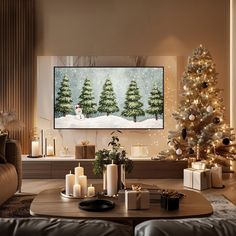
{"x":78,"y":112}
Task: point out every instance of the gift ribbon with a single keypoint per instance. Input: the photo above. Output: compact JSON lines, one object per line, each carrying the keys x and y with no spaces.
{"x":84,"y":150}
{"x":138,"y":195}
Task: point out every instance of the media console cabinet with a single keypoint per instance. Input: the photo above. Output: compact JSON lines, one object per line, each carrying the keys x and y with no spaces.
{"x":58,"y":167}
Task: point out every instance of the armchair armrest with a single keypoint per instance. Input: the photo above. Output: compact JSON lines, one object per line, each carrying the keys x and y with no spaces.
{"x":13,"y":156}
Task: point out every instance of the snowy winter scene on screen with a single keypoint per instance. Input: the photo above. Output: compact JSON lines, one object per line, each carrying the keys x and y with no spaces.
{"x":108,"y":97}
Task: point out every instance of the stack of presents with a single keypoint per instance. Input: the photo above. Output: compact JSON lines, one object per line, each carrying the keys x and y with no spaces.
{"x":200,"y":178}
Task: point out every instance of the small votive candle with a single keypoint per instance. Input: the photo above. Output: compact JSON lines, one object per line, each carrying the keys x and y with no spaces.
{"x":76,"y":190}
{"x":91,"y":191}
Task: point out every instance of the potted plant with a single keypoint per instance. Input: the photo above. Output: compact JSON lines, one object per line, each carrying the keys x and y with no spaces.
{"x":106,"y":156}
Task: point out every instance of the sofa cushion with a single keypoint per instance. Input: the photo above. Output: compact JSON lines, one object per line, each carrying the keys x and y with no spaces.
{"x":204,"y":226}
{"x":8,"y":181}
{"x":62,"y":227}
{"x":3,"y":138}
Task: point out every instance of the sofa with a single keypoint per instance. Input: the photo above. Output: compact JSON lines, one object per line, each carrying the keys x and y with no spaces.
{"x":10,"y":170}
{"x":61,"y":227}
{"x":193,"y":227}
{"x":73,"y":227}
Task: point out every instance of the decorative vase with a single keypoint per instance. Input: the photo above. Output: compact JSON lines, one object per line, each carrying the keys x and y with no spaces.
{"x":121,"y":177}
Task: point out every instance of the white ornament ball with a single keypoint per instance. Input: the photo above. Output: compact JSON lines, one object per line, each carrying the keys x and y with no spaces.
{"x":191,"y":117}
{"x":178,"y":151}
{"x":185,"y":87}
{"x":171,"y":144}
{"x":209,"y":109}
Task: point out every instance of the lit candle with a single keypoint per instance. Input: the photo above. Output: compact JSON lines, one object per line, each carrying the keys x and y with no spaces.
{"x":76,"y":190}
{"x":91,"y":191}
{"x":35,"y":148}
{"x":78,"y":172}
{"x":70,"y":180}
{"x":216,"y":177}
{"x":50,"y":150}
{"x":83,"y":184}
{"x":112,"y":178}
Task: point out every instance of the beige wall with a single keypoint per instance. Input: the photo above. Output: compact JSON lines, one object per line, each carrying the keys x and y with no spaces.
{"x":136,"y":27}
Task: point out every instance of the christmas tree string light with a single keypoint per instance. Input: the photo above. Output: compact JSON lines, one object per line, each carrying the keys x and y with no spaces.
{"x":200,"y":130}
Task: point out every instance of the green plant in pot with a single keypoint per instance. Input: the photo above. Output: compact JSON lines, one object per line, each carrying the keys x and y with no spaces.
{"x":115,"y":154}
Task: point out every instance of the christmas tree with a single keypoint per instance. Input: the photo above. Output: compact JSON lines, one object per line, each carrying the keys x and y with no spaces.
{"x":86,"y":99}
{"x":133,"y":106}
{"x":201,"y":130}
{"x":155,"y":102}
{"x":64,"y":100}
{"x":107,"y":102}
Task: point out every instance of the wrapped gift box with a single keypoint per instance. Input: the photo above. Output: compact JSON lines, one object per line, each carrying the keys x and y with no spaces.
{"x":84,"y":151}
{"x":202,"y":179}
{"x":197,"y":179}
{"x":188,"y":177}
{"x":199,"y":165}
{"x":135,"y":200}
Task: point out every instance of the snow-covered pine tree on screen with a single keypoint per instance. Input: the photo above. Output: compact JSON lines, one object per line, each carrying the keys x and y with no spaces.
{"x":107,"y":102}
{"x":86,"y":99}
{"x":155,"y":102}
{"x":201,"y":130}
{"x":133,"y":106}
{"x":63,"y":100}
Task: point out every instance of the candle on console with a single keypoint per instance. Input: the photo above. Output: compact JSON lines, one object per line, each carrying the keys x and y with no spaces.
{"x":91,"y":191}
{"x":216,"y":177}
{"x":76,"y":190}
{"x":112,"y":178}
{"x":83,"y":184}
{"x":35,"y":148}
{"x":70,"y":180}
{"x":78,"y":172}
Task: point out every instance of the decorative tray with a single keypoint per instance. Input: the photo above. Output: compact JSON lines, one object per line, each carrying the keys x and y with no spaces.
{"x":96,"y":205}
{"x":63,"y":194}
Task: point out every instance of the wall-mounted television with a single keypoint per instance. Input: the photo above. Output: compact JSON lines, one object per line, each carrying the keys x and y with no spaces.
{"x":108,"y":97}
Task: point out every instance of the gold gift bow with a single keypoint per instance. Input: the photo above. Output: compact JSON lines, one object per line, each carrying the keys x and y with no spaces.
{"x":85,"y":142}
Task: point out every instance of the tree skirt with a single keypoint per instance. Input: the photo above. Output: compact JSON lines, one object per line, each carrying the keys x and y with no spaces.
{"x":17,"y":206}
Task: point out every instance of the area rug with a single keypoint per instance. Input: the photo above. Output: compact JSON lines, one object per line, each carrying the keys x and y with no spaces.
{"x":222,"y":207}
{"x":17,"y":206}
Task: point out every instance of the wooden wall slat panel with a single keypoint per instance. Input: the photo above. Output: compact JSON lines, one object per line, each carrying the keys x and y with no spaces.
{"x":18,"y":64}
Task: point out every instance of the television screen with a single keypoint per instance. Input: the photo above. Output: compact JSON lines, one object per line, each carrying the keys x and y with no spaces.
{"x":108,"y":97}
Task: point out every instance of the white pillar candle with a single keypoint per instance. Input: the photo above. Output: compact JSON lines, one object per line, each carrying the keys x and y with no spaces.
{"x":70,"y":180}
{"x":91,"y":191}
{"x":50,"y":150}
{"x":83,"y":184}
{"x":216,"y":177}
{"x":105,"y":178}
{"x":112,"y":178}
{"x":76,"y":190}
{"x":35,"y":148}
{"x":78,"y":172}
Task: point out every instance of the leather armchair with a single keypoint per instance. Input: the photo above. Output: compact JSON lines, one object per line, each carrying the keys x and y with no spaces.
{"x":11,"y":172}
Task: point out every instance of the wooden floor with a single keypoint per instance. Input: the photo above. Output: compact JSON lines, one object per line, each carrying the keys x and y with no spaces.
{"x":37,"y":185}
